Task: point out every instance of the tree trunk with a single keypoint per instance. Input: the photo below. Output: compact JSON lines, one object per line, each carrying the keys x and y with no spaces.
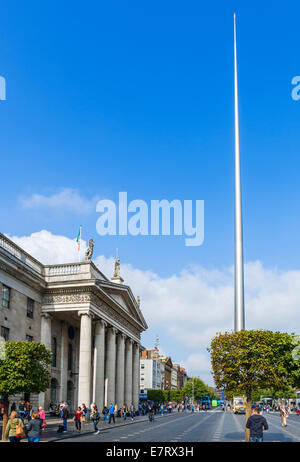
{"x":248,"y":414}
{"x":5,"y":416}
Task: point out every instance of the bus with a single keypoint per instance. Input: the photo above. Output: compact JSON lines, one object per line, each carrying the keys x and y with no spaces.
{"x":205,"y":401}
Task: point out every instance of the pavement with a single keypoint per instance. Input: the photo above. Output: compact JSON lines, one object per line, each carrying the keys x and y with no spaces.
{"x":205,"y":426}
{"x":211,"y":426}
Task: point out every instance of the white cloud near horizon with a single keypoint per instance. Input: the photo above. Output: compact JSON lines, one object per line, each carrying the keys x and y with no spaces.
{"x":66,"y":199}
{"x":196,"y":303}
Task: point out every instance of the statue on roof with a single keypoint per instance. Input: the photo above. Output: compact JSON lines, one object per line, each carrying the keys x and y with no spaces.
{"x":117,"y":268}
{"x":89,"y":250}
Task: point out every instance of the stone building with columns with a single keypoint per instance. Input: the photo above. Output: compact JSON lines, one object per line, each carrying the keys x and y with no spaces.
{"x":91,"y":324}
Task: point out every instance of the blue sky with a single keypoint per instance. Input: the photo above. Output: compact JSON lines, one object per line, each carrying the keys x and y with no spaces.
{"x":105,"y":97}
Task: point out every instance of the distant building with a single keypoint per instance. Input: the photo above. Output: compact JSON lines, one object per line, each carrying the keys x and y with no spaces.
{"x":166,"y":360}
{"x":182,"y":378}
{"x":151,"y":375}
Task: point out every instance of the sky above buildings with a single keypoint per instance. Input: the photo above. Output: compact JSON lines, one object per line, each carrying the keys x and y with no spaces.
{"x":104,"y":97}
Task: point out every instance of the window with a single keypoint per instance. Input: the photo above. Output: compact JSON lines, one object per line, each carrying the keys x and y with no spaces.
{"x":70,"y":357}
{"x":54,"y":350}
{"x":29,"y":338}
{"x":5,"y":296}
{"x":30,"y":307}
{"x":5,"y":333}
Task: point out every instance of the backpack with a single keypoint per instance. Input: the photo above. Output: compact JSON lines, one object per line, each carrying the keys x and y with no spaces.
{"x":96,"y":416}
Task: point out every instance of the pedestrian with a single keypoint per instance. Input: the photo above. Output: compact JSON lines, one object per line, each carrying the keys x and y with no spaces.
{"x":111,"y":412}
{"x":151,"y":413}
{"x":95,"y":417}
{"x":85,"y":413}
{"x":14,"y":428}
{"x":132,"y":411}
{"x":34,"y":429}
{"x":78,"y":419}
{"x":256,"y":424}
{"x":28,"y":411}
{"x":124,"y":411}
{"x":42,"y":416}
{"x":64,"y":416}
{"x":22,"y":410}
{"x":283,"y":415}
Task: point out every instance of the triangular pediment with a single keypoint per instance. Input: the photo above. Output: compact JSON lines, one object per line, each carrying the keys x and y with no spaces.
{"x":123,"y":296}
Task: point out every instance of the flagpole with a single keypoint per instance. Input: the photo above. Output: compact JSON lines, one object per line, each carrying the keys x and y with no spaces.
{"x":239,"y":309}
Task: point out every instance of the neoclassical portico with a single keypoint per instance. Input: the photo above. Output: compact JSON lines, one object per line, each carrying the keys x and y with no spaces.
{"x":101,"y":362}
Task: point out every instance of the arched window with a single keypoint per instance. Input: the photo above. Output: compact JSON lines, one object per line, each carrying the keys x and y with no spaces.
{"x":54,"y":351}
{"x":70,"y":356}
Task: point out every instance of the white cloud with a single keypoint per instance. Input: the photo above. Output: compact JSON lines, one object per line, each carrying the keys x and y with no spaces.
{"x":194,"y":304}
{"x":66,"y":199}
{"x":50,"y":249}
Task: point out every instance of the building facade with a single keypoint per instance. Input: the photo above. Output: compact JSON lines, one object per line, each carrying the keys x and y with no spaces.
{"x":151,"y":375}
{"x":168,"y":365}
{"x":91,"y":324}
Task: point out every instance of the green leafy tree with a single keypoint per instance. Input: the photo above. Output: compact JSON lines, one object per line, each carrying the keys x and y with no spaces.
{"x":23,"y":369}
{"x":246,"y":361}
{"x":197,"y":388}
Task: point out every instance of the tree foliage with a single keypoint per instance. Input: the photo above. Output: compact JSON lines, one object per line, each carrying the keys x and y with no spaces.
{"x":25,"y":368}
{"x":249,"y":360}
{"x":199,"y":387}
{"x":164,"y":396}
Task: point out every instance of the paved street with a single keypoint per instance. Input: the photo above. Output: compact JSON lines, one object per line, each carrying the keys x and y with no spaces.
{"x":210,"y":426}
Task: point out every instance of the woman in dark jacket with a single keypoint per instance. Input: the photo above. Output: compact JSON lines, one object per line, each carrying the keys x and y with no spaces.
{"x":34,"y":429}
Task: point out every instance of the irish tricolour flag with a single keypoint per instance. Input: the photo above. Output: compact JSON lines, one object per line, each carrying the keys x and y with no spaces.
{"x":78,"y":240}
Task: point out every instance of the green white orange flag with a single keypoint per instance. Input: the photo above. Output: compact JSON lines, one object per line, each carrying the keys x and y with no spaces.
{"x":78,"y":240}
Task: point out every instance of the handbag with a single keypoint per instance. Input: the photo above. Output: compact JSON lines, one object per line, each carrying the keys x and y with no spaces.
{"x":82,"y":418}
{"x":19,"y":431}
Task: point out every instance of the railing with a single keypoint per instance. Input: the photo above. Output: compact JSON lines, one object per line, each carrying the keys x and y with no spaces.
{"x":64,"y":270}
{"x":20,"y":254}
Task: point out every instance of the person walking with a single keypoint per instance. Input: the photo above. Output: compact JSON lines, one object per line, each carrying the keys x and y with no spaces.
{"x":64,"y":416}
{"x":22,"y":410}
{"x":283,"y":415}
{"x":77,"y":419}
{"x":150,"y":413}
{"x":256,"y":424}
{"x":85,"y":413}
{"x":124,"y":411}
{"x":42,"y":416}
{"x":95,"y":417}
{"x":111,"y":413}
{"x":14,"y":428}
{"x":34,"y":429}
{"x":132,"y":411}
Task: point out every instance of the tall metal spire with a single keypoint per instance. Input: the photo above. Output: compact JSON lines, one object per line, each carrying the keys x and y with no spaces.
{"x":239,"y":309}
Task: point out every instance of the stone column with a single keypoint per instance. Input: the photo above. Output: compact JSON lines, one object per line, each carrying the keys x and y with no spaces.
{"x":85,"y":357}
{"x":120,"y":370}
{"x":136,"y":375}
{"x":99,"y":361}
{"x":44,"y":397}
{"x":128,"y":372}
{"x":110,"y":372}
{"x":64,"y":362}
